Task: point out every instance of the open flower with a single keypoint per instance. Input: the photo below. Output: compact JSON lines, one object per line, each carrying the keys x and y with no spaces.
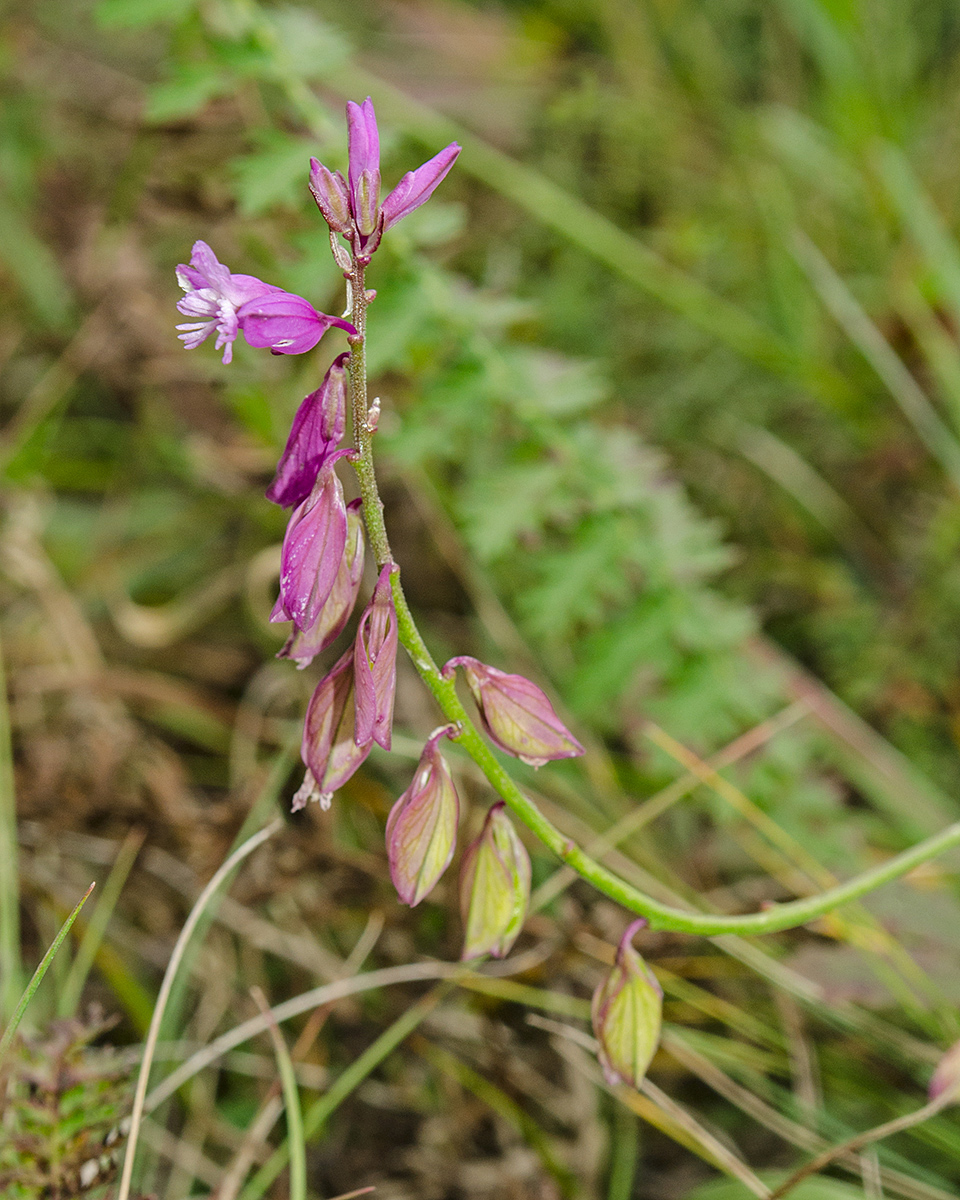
{"x":626,"y":1011}
{"x":316,"y":433}
{"x":516,"y":714}
{"x":226,"y":304}
{"x":494,"y":887}
{"x":422,"y":826}
{"x":352,"y":206}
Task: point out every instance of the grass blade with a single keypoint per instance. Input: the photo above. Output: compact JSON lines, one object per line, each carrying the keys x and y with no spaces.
{"x":11,"y":968}
{"x":291,"y":1101}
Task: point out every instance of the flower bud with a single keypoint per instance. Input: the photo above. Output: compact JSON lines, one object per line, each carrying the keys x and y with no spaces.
{"x":302,"y":647}
{"x":494,"y":888}
{"x":375,"y":664}
{"x":946,"y":1076}
{"x":329,"y":189}
{"x":422,"y":826}
{"x":516,"y":714}
{"x":329,"y":748}
{"x":626,"y":1011}
{"x":316,"y":432}
{"x":364,"y":165}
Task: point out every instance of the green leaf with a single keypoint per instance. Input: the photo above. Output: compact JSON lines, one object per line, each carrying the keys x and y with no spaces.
{"x":277,"y":174}
{"x":135,"y":14}
{"x":193,"y":85}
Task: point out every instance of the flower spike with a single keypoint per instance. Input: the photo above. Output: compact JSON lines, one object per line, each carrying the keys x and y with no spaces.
{"x":494,"y":888}
{"x":516,"y":714}
{"x":375,"y":664}
{"x":316,"y":432}
{"x":422,"y":826}
{"x":626,"y":1011}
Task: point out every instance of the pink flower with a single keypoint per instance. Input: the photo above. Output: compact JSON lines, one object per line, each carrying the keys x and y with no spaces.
{"x":352,"y":206}
{"x":516,"y":714}
{"x":375,"y":664}
{"x":312,"y":551}
{"x":329,"y":748}
{"x":303,"y":645}
{"x":316,"y":432}
{"x":422,"y":826}
{"x":227,"y":304}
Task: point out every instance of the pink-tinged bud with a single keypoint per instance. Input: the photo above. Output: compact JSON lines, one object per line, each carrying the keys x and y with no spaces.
{"x":364,"y":169}
{"x":494,"y":888}
{"x":316,"y":432}
{"x":516,"y":714}
{"x":375,"y":663}
{"x":422,"y":826}
{"x":627,"y":1010}
{"x":946,"y":1078}
{"x":416,"y":187}
{"x":312,"y":551}
{"x":302,"y":647}
{"x":329,"y":748}
{"x":329,"y":189}
{"x":285,"y":323}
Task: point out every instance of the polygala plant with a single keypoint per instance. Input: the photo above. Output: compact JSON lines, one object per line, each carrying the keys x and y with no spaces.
{"x":352,"y":706}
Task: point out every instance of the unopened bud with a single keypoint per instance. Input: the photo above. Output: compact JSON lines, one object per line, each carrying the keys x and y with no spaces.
{"x":317,"y":431}
{"x":375,"y":664}
{"x":330,"y":191}
{"x":329,"y":747}
{"x":627,"y":1011}
{"x":494,"y":888}
{"x":516,"y":714}
{"x":422,"y":826}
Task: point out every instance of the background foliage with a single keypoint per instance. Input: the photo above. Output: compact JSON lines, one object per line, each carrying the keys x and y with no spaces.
{"x":672,"y":422}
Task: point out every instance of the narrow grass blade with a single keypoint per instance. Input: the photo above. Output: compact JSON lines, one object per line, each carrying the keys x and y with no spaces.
{"x":297,"y":1148}
{"x":346,"y":1082}
{"x":173,"y":967}
{"x":11,"y":967}
{"x":38,"y":975}
{"x":99,"y":920}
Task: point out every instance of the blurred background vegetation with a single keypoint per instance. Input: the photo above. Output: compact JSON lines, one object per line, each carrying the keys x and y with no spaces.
{"x":671,"y":385}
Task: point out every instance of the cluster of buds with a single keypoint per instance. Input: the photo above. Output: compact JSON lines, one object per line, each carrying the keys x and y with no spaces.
{"x":322,"y":560}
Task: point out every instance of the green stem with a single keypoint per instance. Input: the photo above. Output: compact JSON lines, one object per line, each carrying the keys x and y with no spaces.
{"x":661,"y":916}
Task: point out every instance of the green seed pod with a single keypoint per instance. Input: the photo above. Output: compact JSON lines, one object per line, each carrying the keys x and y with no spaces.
{"x":627,"y":1010}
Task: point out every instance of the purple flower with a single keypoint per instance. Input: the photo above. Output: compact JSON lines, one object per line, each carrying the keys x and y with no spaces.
{"x":516,"y":714}
{"x":303,"y":646}
{"x":312,"y":551}
{"x":316,"y":432}
{"x":627,"y":1011}
{"x":213,"y":299}
{"x":494,"y":887}
{"x":422,"y":826}
{"x":352,"y":206}
{"x":375,"y":664}
{"x":227,"y":304}
{"x":329,"y":748}
{"x":285,"y":323}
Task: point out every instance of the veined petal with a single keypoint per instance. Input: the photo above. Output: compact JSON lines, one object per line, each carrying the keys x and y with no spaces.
{"x":315,"y":434}
{"x":416,"y":187}
{"x":375,"y":664}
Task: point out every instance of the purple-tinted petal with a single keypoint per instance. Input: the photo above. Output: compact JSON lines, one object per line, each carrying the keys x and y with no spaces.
{"x":213,"y":296}
{"x":315,"y":434}
{"x":329,"y":189}
{"x":375,"y":664}
{"x":516,"y":714}
{"x":329,"y":748}
{"x":313,"y":547}
{"x":282,"y":322}
{"x":422,"y":826}
{"x":494,"y":887}
{"x":364,"y":165}
{"x":303,"y":646}
{"x":417,"y":186}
